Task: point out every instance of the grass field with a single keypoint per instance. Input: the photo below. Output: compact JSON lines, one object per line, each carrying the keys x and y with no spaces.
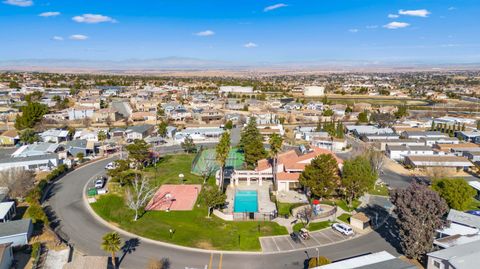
{"x":343,"y":204}
{"x":379,"y":190}
{"x":344,"y":217}
{"x":285,"y":208}
{"x":313,"y":226}
{"x":192,"y":228}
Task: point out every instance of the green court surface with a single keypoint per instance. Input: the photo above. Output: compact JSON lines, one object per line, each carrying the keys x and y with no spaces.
{"x":205,"y":160}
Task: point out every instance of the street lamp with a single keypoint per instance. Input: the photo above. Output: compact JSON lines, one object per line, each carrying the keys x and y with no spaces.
{"x":180,"y":177}
{"x":318,"y":255}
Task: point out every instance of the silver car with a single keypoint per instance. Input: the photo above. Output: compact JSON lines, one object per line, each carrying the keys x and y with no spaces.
{"x":343,"y":229}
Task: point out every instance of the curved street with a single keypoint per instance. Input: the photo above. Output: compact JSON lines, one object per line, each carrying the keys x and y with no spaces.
{"x":75,"y":224}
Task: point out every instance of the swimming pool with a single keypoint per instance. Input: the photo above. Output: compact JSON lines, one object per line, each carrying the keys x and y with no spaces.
{"x":245,"y":201}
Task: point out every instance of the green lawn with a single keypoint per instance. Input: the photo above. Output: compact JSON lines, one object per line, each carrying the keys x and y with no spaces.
{"x":285,"y":208}
{"x":380,"y":189}
{"x":313,"y":226}
{"x":343,"y":204}
{"x":192,"y":228}
{"x":344,"y":217}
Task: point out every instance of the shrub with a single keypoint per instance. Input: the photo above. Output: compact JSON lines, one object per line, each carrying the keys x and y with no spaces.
{"x":35,"y":250}
{"x":313,"y":262}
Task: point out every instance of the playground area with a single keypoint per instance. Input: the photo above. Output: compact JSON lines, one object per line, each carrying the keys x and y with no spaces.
{"x":205,"y":161}
{"x":174,"y":198}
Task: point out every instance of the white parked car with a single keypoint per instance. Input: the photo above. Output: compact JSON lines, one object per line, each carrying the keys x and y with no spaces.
{"x":99,"y":183}
{"x":343,"y":229}
{"x":110,"y":166}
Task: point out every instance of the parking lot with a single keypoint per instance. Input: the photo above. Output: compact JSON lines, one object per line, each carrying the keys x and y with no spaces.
{"x":272,"y":244}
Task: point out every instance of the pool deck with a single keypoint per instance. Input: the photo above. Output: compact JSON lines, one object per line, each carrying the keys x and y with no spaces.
{"x":264,"y":203}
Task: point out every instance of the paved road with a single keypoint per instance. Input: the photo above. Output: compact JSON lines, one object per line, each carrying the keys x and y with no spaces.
{"x":84,"y":232}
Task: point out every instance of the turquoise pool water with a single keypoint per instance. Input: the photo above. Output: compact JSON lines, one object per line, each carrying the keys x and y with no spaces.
{"x":245,"y":201}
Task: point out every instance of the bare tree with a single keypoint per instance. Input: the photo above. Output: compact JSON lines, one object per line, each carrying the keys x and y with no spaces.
{"x":377,"y":160}
{"x":18,"y":181}
{"x":139,"y":194}
{"x":438,"y":172}
{"x":208,"y":171}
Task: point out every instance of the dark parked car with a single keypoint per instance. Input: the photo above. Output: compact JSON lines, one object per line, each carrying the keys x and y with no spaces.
{"x":295,"y":237}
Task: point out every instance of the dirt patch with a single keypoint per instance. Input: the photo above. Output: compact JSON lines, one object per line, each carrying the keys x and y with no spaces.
{"x":204,"y":245}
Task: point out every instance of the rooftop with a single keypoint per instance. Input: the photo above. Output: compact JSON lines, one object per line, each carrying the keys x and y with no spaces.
{"x":464,"y":218}
{"x":15,"y":227}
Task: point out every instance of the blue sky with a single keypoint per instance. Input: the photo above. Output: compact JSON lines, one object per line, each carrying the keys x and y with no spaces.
{"x":434,"y":31}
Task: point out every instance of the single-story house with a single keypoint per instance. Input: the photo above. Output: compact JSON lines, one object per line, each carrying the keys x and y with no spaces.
{"x":462,"y":227}
{"x":473,"y":156}
{"x":36,"y":149}
{"x":80,"y":113}
{"x":139,"y":131}
{"x":37,"y":162}
{"x":381,"y":137}
{"x":16,"y":232}
{"x":75,"y":147}
{"x":424,"y":134}
{"x":382,"y":144}
{"x":458,"y":149}
{"x":199,"y":134}
{"x":9,"y":138}
{"x":398,"y":153}
{"x":430,"y":141}
{"x":463,"y":256}
{"x":438,"y":161}
{"x":7,"y":211}
{"x":473,"y":136}
{"x":54,"y":136}
{"x":359,"y":130}
{"x":6,"y":256}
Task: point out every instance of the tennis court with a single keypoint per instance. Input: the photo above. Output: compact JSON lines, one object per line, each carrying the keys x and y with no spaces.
{"x":174,"y":197}
{"x":205,"y":160}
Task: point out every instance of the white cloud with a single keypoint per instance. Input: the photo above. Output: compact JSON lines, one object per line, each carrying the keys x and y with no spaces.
{"x":273,"y":7}
{"x":250,"y":45}
{"x":393,"y":16}
{"x":57,"y":38}
{"x":19,"y":3}
{"x":353,"y":30}
{"x":452,"y":8}
{"x":49,"y":14}
{"x":371,"y":26}
{"x":78,"y":37}
{"x":93,"y":18}
{"x":205,"y":33}
{"x":396,"y":25}
{"x":415,"y":13}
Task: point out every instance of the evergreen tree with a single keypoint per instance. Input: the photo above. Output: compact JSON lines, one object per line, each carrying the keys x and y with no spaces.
{"x":222,"y":150}
{"x":111,"y":243}
{"x":31,"y":114}
{"x":251,"y":142}
{"x":321,"y":176}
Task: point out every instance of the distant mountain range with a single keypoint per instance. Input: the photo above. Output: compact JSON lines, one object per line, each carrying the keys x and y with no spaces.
{"x":194,"y":64}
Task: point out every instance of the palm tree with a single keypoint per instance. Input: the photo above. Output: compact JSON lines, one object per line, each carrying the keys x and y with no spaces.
{"x":111,"y":243}
{"x":102,"y":136}
{"x":222,"y":151}
{"x":275,"y":147}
